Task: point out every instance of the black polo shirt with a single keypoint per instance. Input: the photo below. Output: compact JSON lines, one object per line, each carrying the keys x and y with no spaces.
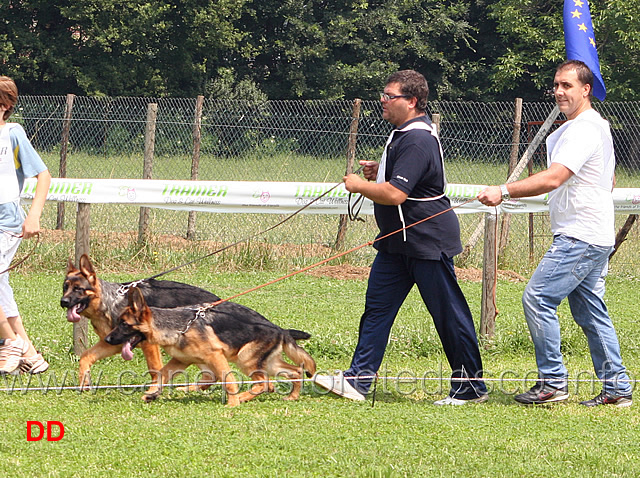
{"x":414,"y":166}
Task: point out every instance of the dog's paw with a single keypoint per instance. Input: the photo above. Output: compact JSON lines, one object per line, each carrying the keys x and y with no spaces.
{"x":188,"y":388}
{"x":150,"y":397}
{"x":232,"y":402}
{"x":84,"y":386}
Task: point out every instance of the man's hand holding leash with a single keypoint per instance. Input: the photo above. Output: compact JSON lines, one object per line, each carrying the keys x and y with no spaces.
{"x":491,"y":196}
{"x":381,"y":193}
{"x":369,"y":171}
{"x":30,"y":227}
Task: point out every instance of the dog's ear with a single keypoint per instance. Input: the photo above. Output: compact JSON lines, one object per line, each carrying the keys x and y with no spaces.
{"x":86,"y":267}
{"x":136,"y":300}
{"x":70,"y":267}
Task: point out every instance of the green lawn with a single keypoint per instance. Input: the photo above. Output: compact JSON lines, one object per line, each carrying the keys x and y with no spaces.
{"x":111,"y":432}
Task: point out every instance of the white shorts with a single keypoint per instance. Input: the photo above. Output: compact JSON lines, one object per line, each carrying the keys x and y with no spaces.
{"x":8,"y":246}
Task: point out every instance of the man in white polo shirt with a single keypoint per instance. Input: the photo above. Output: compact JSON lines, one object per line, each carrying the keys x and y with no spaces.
{"x":579,"y":180}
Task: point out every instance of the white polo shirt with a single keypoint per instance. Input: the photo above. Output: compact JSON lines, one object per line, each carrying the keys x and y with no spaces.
{"x":582,"y":207}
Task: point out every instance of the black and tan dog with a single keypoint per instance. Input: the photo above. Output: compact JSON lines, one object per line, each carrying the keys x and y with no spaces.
{"x":211,"y":337}
{"x":102,"y":302}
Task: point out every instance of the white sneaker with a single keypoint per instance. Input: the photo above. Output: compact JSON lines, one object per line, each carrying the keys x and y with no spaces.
{"x":339,"y":385}
{"x":449,"y":400}
{"x":34,"y":364}
{"x":10,"y":354}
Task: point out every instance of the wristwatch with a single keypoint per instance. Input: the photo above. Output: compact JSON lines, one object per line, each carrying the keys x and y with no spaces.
{"x":505,"y":192}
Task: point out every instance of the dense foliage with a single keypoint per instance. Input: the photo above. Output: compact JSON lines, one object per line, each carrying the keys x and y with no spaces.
{"x":289,"y":49}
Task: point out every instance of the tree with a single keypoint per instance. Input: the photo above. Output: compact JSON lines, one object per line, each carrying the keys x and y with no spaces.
{"x":617,"y":26}
{"x":346,"y":48}
{"x":164,"y":47}
{"x":533,"y":29}
{"x":117,"y":47}
{"x":312,"y":49}
{"x":35,"y":47}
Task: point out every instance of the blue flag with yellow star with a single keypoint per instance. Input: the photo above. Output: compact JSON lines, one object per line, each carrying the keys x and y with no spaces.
{"x":580,"y":41}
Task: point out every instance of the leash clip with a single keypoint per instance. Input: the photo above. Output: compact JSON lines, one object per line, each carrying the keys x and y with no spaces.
{"x":200,"y":314}
{"x":124,"y":288}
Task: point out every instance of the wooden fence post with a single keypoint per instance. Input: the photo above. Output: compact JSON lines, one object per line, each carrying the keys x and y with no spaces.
{"x":487,"y":319}
{"x":64,"y":148}
{"x":489,"y":267}
{"x":195,"y":161}
{"x":435,"y":119}
{"x":522,"y":163}
{"x":351,"y":154}
{"x":621,"y":235}
{"x":149,"y":149}
{"x":81,"y":328}
{"x":513,"y":160}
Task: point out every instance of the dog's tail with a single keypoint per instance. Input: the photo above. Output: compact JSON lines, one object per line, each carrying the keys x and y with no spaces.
{"x":298,"y":355}
{"x":298,"y":334}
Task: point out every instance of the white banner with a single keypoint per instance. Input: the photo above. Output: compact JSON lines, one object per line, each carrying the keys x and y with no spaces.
{"x":269,"y":197}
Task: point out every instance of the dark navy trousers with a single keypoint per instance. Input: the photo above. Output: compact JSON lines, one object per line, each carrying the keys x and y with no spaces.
{"x":390,"y":281}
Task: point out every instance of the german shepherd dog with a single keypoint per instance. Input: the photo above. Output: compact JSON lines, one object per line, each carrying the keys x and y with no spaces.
{"x":211,"y":337}
{"x":102,"y":303}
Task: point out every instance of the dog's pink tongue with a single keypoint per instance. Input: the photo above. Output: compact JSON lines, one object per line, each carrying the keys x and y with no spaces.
{"x":127,"y":353}
{"x":72,"y":314}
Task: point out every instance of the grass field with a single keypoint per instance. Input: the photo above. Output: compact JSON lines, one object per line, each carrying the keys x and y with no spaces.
{"x":111,"y":432}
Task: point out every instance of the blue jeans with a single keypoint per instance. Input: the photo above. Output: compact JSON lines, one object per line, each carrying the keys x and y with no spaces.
{"x":392,"y":277}
{"x":573,"y":269}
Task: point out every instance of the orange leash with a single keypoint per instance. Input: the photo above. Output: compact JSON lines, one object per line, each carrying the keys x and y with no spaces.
{"x":324,"y":261}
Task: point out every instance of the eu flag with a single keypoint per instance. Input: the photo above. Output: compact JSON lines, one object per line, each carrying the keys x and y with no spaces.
{"x":580,"y":41}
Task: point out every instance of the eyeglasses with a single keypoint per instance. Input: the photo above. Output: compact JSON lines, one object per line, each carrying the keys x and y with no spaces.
{"x":385,"y":97}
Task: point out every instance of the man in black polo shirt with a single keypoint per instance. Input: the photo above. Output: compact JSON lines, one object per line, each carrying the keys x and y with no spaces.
{"x":409,"y":186}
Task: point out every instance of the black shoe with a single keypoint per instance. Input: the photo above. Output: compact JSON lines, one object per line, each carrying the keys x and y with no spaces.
{"x":542,"y":393}
{"x":609,"y":399}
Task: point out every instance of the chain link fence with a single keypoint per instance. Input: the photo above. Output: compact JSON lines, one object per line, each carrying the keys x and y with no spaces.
{"x":297,"y":141}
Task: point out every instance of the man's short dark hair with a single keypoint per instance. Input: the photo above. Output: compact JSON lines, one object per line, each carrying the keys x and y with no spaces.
{"x":412,"y":83}
{"x":585,"y":75}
